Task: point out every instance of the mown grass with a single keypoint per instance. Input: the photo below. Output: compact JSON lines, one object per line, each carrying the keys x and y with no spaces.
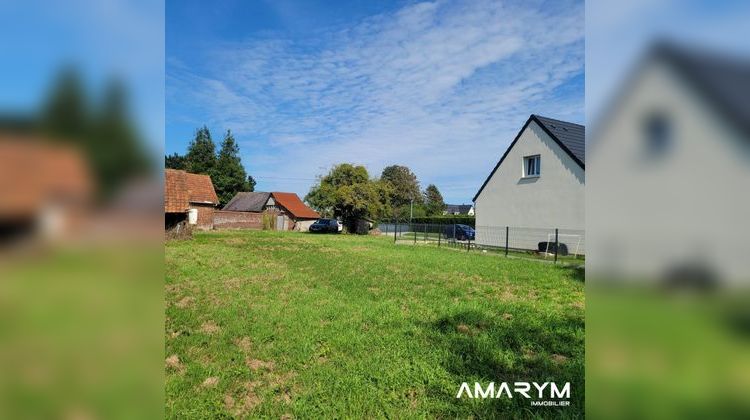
{"x":268,"y":324}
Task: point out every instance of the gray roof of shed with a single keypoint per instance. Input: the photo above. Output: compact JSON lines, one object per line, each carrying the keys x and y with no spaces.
{"x":248,"y":201}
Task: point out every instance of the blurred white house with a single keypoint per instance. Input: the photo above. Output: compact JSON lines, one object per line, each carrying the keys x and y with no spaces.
{"x":669,"y":187}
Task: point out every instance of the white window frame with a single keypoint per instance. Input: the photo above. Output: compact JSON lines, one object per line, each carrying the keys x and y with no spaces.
{"x":537,"y":168}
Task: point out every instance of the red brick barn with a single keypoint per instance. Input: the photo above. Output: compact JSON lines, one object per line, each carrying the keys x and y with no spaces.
{"x":191,"y":197}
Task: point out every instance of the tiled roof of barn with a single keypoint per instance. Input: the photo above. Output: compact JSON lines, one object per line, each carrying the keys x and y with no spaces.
{"x":294,"y":205}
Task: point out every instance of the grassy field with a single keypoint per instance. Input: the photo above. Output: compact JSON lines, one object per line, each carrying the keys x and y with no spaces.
{"x":267,"y":324}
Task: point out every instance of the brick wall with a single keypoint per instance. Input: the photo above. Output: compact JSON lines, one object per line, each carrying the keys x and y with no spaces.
{"x":205,"y":216}
{"x":237,"y":220}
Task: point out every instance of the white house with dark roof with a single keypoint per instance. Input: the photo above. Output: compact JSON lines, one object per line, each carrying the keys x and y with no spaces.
{"x":538,"y":184}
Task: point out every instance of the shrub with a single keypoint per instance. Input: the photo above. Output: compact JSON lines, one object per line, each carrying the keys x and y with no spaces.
{"x":268,"y":220}
{"x":445,"y":220}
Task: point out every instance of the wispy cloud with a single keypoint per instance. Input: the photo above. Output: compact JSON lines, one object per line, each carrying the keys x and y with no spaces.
{"x":440,"y":87}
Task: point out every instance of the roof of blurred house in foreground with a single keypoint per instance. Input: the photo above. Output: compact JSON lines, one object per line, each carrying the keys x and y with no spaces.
{"x":35,"y":172}
{"x":182,"y":188}
{"x":723,"y":80}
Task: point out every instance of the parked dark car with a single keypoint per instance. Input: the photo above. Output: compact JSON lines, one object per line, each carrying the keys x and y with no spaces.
{"x":325,"y":226}
{"x":462,"y":232}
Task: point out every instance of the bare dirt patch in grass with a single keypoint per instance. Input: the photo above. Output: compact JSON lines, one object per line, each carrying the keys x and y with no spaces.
{"x":256,"y":364}
{"x":210,"y":382}
{"x":185,"y":302}
{"x":559,"y":359}
{"x":210,"y":328}
{"x":173,"y":362}
{"x":463,"y":329}
{"x":244,"y":343}
{"x":248,"y":400}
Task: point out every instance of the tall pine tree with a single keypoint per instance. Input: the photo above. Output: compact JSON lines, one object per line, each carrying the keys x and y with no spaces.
{"x":116,"y":149}
{"x":201,"y":155}
{"x":433,"y":200}
{"x":174,"y":161}
{"x":106,"y":134}
{"x":229,"y":176}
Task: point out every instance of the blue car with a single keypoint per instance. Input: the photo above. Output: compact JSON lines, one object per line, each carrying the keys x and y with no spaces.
{"x":461,"y":232}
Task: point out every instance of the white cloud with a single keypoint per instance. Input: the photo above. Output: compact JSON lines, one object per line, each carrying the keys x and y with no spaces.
{"x":440,"y":87}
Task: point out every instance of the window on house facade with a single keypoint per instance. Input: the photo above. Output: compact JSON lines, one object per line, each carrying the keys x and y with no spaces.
{"x":532,"y":166}
{"x":657,"y":130}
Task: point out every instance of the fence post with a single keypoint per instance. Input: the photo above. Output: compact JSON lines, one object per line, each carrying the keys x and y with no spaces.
{"x":425,"y":232}
{"x":506,"y":240}
{"x":556,"y":246}
{"x":415,"y":234}
{"x":440,"y":235}
{"x":395,"y":227}
{"x":454,"y":235}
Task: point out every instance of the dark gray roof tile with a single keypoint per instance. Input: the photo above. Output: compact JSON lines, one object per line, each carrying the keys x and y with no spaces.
{"x":248,"y":201}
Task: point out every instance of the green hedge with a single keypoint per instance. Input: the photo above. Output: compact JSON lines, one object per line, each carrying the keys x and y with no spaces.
{"x":444,"y":220}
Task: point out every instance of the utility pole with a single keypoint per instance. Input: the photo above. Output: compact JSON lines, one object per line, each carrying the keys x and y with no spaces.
{"x":411,"y":210}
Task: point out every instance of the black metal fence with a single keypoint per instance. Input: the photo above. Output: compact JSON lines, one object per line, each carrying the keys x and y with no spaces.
{"x":552,"y":244}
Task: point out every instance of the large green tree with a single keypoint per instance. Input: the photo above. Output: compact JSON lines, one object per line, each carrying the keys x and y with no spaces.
{"x":348,"y":192}
{"x":65,"y":113}
{"x":404,"y":185}
{"x":229,"y":175}
{"x":105,"y":133}
{"x":116,"y":149}
{"x":433,"y":201}
{"x":174,"y":161}
{"x":201,"y":155}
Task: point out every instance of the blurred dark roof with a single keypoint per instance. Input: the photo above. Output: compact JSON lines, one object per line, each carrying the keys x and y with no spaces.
{"x":458,"y":208}
{"x":724,"y":80}
{"x":573,"y":136}
{"x":248,"y":201}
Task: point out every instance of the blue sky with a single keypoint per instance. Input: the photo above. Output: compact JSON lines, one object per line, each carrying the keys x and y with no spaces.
{"x":441,"y":87}
{"x":102,"y":39}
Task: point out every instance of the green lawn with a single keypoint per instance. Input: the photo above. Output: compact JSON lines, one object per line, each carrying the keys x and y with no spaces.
{"x":268,"y":324}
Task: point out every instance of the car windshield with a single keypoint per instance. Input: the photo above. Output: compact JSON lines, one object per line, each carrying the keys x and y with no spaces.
{"x":321,"y":222}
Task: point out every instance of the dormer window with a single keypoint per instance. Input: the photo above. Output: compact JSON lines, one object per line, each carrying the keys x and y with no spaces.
{"x":532,"y":166}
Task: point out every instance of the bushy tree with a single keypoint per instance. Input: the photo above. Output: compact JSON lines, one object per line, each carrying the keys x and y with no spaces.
{"x":229,"y":175}
{"x":105,"y":133}
{"x":225,"y":168}
{"x":348,"y":192}
{"x":116,"y":149}
{"x":404,"y":185}
{"x":66,"y":114}
{"x":433,"y":201}
{"x":201,"y":155}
